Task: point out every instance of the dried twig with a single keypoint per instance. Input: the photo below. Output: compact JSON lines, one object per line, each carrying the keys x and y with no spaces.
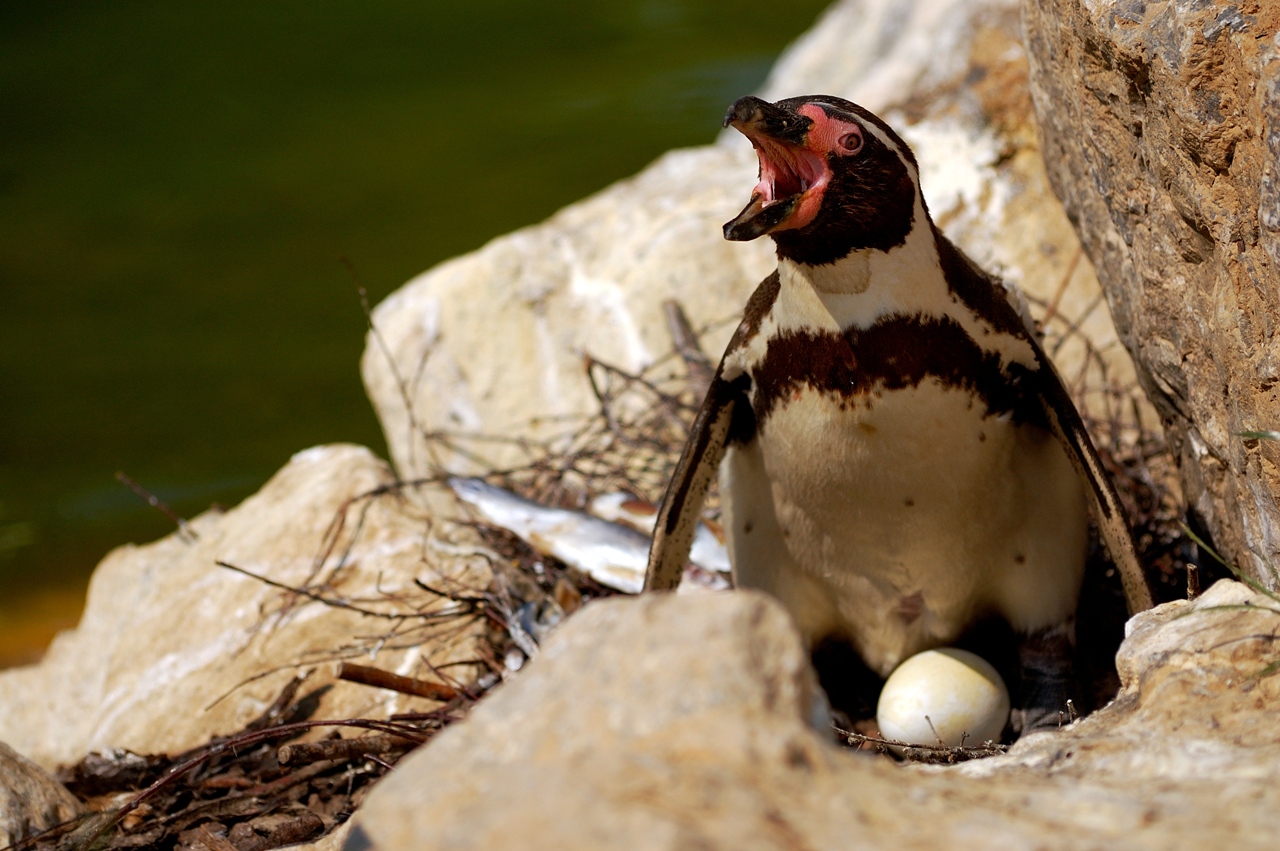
{"x":405,"y":685}
{"x":89,"y":833}
{"x":411,"y":414}
{"x":1052,"y":309}
{"x":328,"y":601}
{"x":343,"y":749}
{"x":698,"y":367}
{"x":940,"y":754}
{"x":184,"y":528}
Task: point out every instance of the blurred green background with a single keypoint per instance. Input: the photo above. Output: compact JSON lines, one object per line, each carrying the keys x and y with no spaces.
{"x":177,"y":181}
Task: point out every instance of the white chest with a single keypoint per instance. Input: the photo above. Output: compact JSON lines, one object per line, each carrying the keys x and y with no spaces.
{"x":895,"y":488}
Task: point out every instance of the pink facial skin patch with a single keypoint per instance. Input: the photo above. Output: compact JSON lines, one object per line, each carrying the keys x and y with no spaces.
{"x":789,"y":170}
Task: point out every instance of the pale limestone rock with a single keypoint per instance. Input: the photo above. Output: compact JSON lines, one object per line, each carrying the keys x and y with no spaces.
{"x":167,"y":636}
{"x":669,"y":722}
{"x":1162,"y":131}
{"x":1194,"y":710}
{"x":490,"y":341}
{"x":31,"y":800}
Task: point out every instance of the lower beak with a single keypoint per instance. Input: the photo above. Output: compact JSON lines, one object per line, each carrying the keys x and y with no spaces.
{"x":756,"y":219}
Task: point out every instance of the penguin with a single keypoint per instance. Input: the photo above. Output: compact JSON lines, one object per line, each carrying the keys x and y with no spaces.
{"x":898,"y":458}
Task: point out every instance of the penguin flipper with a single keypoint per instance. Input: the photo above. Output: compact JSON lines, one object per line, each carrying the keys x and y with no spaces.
{"x":988,"y":296}
{"x":1108,"y":513}
{"x":682,"y":503}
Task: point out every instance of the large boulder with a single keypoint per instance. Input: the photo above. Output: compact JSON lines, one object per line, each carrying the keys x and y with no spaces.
{"x":31,"y":800}
{"x":677,"y":722}
{"x":172,"y":649}
{"x":1162,"y":134}
{"x":492,"y":341}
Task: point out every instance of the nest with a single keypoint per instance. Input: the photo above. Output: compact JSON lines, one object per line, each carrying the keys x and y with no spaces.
{"x":262,"y":788}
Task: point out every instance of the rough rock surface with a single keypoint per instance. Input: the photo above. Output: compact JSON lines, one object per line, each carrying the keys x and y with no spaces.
{"x":169,"y":645}
{"x":489,"y":341}
{"x":669,"y":722}
{"x":30,"y":799}
{"x":1162,"y":133}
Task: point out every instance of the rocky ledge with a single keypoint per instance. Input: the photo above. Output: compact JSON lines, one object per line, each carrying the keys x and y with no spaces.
{"x":675,"y":722}
{"x":1161,"y":128}
{"x":671,"y":722}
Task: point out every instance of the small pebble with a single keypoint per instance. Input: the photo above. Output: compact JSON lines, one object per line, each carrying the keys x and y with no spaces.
{"x":514,"y":660}
{"x":958,"y":691}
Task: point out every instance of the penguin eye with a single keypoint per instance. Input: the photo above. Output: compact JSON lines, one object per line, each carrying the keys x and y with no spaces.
{"x":851,"y":143}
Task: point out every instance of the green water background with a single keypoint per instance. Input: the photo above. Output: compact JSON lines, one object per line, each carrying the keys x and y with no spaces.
{"x":177,"y":181}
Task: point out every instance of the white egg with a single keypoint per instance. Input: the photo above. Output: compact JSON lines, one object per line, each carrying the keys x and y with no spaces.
{"x":958,"y":691}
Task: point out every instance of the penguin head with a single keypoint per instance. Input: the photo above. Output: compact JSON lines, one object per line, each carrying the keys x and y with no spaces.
{"x":834,"y":178}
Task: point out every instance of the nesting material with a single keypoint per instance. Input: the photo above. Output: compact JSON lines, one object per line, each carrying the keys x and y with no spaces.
{"x":950,"y":695}
{"x":612,"y":554}
{"x":708,"y":551}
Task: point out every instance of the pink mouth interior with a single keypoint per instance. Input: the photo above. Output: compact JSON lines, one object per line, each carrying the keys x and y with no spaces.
{"x":786,"y":170}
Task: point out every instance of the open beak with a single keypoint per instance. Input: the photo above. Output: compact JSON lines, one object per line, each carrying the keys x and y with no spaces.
{"x":790,"y":171}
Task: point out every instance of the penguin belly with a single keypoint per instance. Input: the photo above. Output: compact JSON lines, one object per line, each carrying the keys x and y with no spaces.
{"x":896,"y":519}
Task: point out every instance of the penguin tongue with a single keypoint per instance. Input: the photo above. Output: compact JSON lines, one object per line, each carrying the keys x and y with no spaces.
{"x":785,"y":169}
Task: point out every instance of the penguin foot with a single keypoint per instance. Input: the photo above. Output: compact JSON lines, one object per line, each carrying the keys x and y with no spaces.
{"x":1048,"y":680}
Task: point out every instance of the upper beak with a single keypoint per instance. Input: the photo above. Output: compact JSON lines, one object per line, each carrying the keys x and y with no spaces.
{"x":773,"y":131}
{"x":753,"y":118}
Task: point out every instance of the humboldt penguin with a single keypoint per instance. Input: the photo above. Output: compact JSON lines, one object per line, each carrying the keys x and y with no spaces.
{"x":898,"y":458}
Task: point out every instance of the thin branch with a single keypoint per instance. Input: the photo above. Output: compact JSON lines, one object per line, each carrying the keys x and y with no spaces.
{"x":410,"y":412}
{"x":698,"y":368}
{"x":379,"y":678}
{"x":232,"y":745}
{"x":328,"y":601}
{"x":343,"y":749}
{"x":1052,"y":309}
{"x":184,"y":528}
{"x":934,"y":754}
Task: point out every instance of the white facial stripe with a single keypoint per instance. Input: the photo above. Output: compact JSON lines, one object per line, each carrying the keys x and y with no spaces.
{"x":893,"y":146}
{"x":874,"y":130}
